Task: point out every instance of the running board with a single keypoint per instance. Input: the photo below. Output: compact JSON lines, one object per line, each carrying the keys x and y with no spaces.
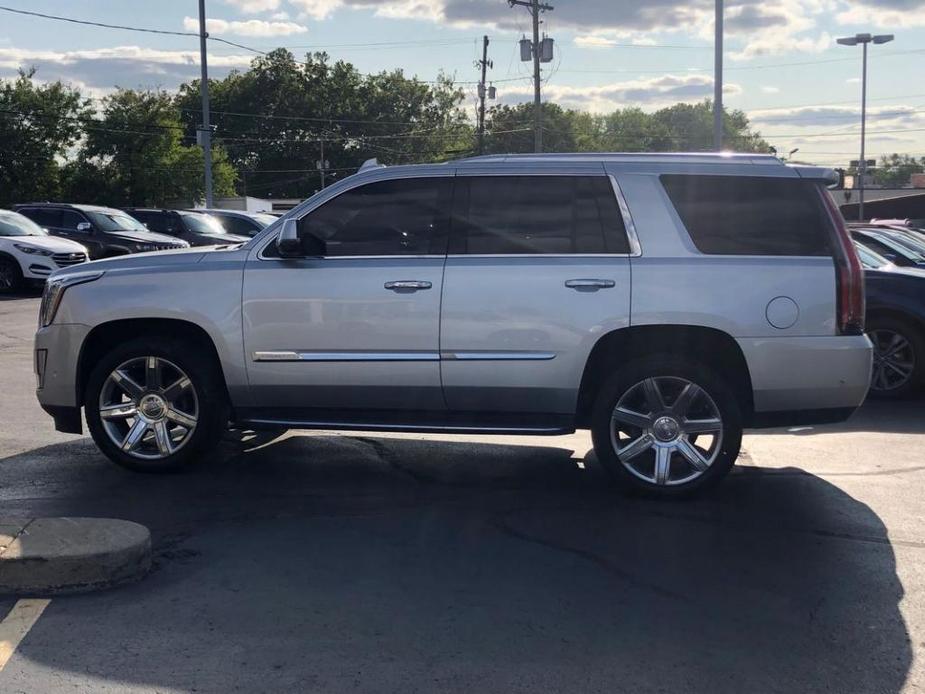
{"x":426,"y":423}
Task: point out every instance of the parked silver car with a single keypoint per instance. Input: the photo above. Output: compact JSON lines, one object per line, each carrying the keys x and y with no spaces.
{"x":664,"y":302}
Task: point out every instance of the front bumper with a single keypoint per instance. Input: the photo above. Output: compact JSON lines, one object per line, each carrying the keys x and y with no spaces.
{"x":57,"y":357}
{"x":812,"y":375}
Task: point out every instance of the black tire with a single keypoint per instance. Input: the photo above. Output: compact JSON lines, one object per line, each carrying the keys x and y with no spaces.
{"x":207,"y":386}
{"x":668,"y":370}
{"x":878,"y":327}
{"x":11,"y":279}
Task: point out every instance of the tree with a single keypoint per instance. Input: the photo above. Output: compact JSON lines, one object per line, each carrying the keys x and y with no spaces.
{"x":895,"y":170}
{"x":274,"y":119}
{"x":38,"y":124}
{"x":135,"y":154}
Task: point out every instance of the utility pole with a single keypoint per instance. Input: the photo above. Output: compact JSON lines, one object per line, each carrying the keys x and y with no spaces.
{"x":535,"y":7}
{"x":718,"y":80}
{"x":205,"y":130}
{"x":322,"y":165}
{"x":484,"y":63}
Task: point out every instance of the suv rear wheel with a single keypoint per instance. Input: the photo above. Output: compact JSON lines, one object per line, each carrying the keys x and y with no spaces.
{"x":666,"y":426}
{"x":155,"y":404}
{"x":899,"y":358}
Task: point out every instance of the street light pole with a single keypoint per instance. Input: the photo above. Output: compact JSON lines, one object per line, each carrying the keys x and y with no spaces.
{"x":864,"y":40}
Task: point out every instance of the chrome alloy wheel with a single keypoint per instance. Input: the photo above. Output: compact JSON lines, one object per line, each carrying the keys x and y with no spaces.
{"x":894,"y":360}
{"x":666,"y":430}
{"x":149,"y":408}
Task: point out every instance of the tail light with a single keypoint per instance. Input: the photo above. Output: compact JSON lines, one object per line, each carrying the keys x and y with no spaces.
{"x":849,"y":273}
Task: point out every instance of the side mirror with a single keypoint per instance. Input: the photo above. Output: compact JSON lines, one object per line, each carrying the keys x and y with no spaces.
{"x":84,"y":226}
{"x":292,"y":244}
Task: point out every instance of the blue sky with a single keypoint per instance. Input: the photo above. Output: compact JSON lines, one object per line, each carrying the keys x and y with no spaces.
{"x":783,"y":66}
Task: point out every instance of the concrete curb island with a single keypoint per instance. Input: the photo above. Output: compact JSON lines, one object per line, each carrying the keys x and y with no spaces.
{"x":56,"y":556}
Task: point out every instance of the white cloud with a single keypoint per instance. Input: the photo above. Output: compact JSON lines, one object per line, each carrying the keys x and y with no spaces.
{"x":254,"y":6}
{"x":656,"y":92}
{"x":125,"y":66}
{"x":829,"y":117}
{"x":883,"y":13}
{"x":768,"y":89}
{"x":593,"y":41}
{"x":777,"y":43}
{"x":249,"y":27}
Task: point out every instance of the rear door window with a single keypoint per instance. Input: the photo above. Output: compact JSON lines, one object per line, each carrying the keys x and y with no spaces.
{"x":741,"y":215}
{"x":44,"y":217}
{"x":529,"y":215}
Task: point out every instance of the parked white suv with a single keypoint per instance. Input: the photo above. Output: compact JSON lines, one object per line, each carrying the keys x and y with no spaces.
{"x":29,"y":254}
{"x":664,"y":302}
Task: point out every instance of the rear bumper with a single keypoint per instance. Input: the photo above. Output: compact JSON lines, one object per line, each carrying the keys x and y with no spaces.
{"x":807,"y":380}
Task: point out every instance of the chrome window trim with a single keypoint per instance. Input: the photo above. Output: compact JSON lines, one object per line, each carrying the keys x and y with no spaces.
{"x":628,"y":223}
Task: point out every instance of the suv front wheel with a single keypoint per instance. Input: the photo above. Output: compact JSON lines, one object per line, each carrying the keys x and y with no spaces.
{"x":155,"y":404}
{"x":666,"y":426}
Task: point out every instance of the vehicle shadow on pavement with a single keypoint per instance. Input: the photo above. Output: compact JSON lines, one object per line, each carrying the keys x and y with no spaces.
{"x":25,"y":293}
{"x":897,"y":417}
{"x":365,"y":563}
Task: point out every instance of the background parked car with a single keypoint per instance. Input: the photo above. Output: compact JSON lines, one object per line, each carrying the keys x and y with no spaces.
{"x":243,"y":223}
{"x":892,"y":247}
{"x":196,"y":228}
{"x":895,"y":324}
{"x":105,"y":231}
{"x":29,"y":253}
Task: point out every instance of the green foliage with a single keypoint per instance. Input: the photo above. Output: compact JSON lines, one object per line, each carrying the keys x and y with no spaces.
{"x":134,"y":153}
{"x":682,"y":127}
{"x":305,"y":105}
{"x":39,"y":123}
{"x":895,"y":170}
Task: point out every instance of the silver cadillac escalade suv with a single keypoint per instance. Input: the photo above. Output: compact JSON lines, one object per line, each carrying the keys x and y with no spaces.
{"x":665,"y":302}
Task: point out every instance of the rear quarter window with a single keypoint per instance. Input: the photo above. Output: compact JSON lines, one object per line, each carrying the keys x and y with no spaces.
{"x":740,"y":215}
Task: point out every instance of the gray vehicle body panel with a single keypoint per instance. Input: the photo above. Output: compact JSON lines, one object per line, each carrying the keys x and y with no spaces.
{"x":492,"y":333}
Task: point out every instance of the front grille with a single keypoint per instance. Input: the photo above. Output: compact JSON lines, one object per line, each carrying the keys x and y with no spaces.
{"x":68,"y":259}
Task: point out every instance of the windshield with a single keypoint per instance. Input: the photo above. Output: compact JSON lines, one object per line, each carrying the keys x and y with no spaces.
{"x":115,"y":221}
{"x":13,"y":224}
{"x":264,"y":219}
{"x":203,"y":223}
{"x":904,"y":241}
{"x":893,"y":245}
{"x":869,"y":259}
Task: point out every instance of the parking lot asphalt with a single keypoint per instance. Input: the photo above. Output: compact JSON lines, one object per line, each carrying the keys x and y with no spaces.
{"x":320,"y":562}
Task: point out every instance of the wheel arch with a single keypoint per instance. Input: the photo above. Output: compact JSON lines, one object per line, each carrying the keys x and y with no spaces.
{"x":712,"y":347}
{"x":101,"y":338}
{"x":897,"y":313}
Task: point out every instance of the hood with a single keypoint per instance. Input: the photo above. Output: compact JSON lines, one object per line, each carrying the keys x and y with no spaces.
{"x":49,"y":243}
{"x":143,"y":237}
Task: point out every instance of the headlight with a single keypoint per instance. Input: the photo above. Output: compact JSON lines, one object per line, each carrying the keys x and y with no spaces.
{"x":31,"y":250}
{"x":54,"y":292}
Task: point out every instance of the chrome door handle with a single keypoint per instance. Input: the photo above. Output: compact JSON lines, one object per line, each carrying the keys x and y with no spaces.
{"x":590,"y":284}
{"x":407,"y":285}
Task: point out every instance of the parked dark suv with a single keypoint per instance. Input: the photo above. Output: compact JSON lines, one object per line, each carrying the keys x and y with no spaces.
{"x":104,"y":231}
{"x":195,"y":228}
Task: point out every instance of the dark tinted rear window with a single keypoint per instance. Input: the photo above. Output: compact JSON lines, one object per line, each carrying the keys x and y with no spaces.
{"x":737,"y":215}
{"x":43,"y":216}
{"x":518,"y":215}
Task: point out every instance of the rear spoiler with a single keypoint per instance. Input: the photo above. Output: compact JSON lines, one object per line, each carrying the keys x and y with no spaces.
{"x":820,"y":174}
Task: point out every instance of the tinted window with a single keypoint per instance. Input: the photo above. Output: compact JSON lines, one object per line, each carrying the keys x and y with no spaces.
{"x":736,"y":215}
{"x":518,"y":215}
{"x":115,"y":221}
{"x":154,"y":221}
{"x":400,"y":217}
{"x":239,"y":225}
{"x":43,"y":216}
{"x":70,"y":220}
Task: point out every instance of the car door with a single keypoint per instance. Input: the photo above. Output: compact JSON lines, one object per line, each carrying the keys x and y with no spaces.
{"x":75,"y":226}
{"x":538,"y":269}
{"x":358,"y":328}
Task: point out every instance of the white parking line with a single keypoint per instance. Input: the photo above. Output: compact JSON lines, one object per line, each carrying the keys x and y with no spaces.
{"x":16,"y":625}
